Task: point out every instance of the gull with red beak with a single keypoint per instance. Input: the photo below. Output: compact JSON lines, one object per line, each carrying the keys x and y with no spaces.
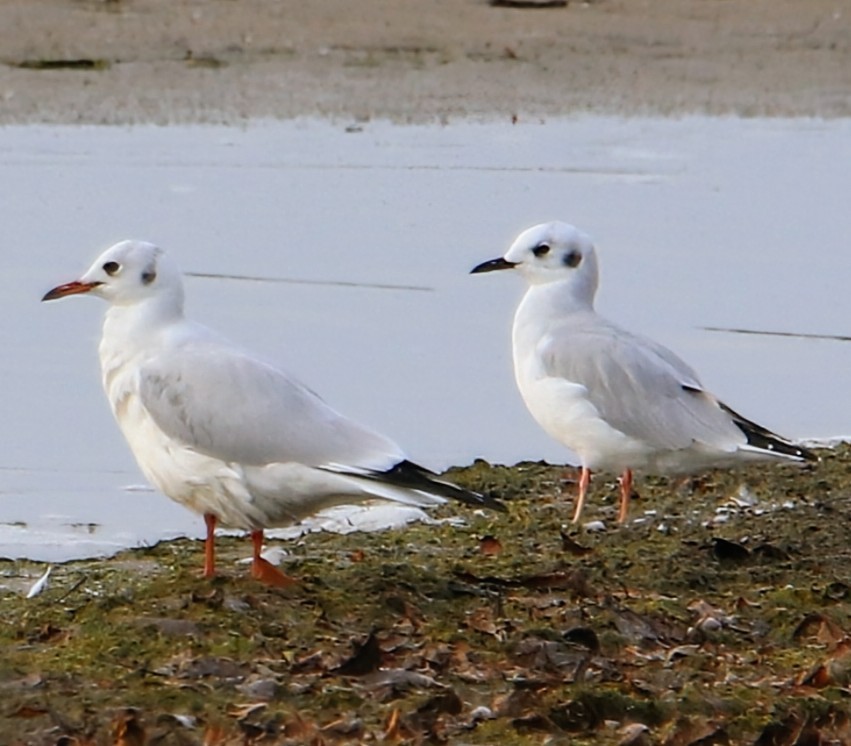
{"x":621,"y":402}
{"x":222,"y":432}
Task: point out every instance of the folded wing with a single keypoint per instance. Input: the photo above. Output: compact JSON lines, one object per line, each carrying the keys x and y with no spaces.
{"x":638,"y":386}
{"x":231,"y":406}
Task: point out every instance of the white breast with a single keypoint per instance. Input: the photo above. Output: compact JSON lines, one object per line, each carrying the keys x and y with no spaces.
{"x":561,"y":407}
{"x":201,"y":483}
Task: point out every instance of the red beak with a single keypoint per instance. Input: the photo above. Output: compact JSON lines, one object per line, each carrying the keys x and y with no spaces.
{"x":70,"y":288}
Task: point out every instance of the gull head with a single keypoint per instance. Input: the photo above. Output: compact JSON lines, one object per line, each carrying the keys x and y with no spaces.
{"x":551,"y":252}
{"x":128,"y":273}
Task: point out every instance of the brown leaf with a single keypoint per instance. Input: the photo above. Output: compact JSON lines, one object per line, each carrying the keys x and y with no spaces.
{"x":345,"y":728}
{"x":243,"y":712}
{"x":127,"y":730}
{"x":635,"y":734}
{"x":310,"y":663}
{"x":214,"y":735}
{"x":820,"y":627}
{"x":48,"y":633}
{"x":29,"y":711}
{"x":516,"y":703}
{"x":482,"y":620}
{"x":490,"y":545}
{"x":818,"y":677}
{"x":393,"y":728}
{"x":835,"y":670}
{"x":299,"y":729}
{"x":696,"y":731}
{"x":534,"y":723}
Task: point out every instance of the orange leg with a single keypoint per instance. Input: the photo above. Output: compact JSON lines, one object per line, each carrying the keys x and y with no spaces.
{"x":626,"y":495}
{"x":210,"y":546}
{"x":584,"y":481}
{"x":264,"y":571}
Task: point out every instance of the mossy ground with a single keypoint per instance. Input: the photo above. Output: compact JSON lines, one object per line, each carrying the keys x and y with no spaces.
{"x":722,"y":617}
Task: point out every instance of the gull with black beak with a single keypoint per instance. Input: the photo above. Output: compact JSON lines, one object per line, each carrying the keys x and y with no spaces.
{"x":223,"y":432}
{"x":620,"y":401}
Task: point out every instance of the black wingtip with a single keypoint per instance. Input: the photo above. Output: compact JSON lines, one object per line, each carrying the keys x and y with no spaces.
{"x":762,"y":438}
{"x":415,"y":477}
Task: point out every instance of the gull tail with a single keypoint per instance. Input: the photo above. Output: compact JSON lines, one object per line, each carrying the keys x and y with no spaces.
{"x":766,"y":441}
{"x":410,"y":476}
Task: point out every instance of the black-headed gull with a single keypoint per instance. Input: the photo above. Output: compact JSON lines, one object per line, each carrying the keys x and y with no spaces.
{"x":221,"y":431}
{"x":621,"y":402}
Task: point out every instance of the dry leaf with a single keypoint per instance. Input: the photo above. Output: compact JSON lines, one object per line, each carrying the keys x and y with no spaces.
{"x":490,"y":546}
{"x":366,"y":658}
{"x":127,"y":730}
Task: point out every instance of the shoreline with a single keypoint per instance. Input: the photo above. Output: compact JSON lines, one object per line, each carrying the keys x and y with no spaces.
{"x":418,"y":61}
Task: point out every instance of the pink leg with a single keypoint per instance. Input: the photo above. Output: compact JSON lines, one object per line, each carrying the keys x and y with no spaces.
{"x":264,"y":571}
{"x":210,"y":546}
{"x":584,"y":481}
{"x":626,"y":495}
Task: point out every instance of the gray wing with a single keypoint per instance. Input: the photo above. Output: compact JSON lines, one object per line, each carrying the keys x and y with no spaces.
{"x":226,"y":404}
{"x":638,"y":386}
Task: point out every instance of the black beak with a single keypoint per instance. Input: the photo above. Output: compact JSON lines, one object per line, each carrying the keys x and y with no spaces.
{"x":492,"y":266}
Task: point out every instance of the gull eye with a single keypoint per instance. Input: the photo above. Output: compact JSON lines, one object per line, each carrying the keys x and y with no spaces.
{"x":541,"y":250}
{"x":573,"y":258}
{"x":111,"y":268}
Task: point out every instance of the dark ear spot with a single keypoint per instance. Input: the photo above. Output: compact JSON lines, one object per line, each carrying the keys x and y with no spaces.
{"x":573,"y":258}
{"x":148,"y":276}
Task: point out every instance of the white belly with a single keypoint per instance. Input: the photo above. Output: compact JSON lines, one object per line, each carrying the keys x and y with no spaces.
{"x":201,"y":483}
{"x":562,"y":409}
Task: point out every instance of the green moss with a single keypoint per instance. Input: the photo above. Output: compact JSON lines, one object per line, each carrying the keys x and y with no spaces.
{"x":144,"y":630}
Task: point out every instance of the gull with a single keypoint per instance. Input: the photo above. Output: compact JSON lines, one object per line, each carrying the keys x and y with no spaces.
{"x":223,"y":432}
{"x":620,"y":401}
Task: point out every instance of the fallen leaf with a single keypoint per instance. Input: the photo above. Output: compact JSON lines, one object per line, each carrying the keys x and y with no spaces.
{"x":393,"y":727}
{"x":127,"y":730}
{"x":29,"y":711}
{"x":534,"y":723}
{"x":481,"y":620}
{"x":820,"y":627}
{"x":366,"y":658}
{"x":243,"y":712}
{"x":572,"y":547}
{"x":345,"y":728}
{"x":490,"y":546}
{"x":635,"y":734}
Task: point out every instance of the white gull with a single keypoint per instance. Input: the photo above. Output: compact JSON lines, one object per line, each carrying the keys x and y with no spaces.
{"x":223,"y":432}
{"x":620,"y":401}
